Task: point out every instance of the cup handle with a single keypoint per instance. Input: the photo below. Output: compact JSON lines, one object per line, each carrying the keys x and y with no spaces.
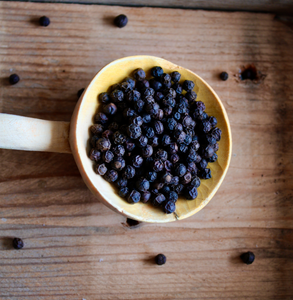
{"x":22,"y":133}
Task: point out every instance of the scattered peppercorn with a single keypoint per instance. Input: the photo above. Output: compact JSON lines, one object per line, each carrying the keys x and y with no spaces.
{"x":132,"y":223}
{"x":160,"y":259}
{"x":17,"y":243}
{"x":153,"y":140}
{"x":224,"y":76}
{"x":13,"y":79}
{"x":44,"y":21}
{"x":121,"y":21}
{"x":248,"y":257}
{"x":79,"y":93}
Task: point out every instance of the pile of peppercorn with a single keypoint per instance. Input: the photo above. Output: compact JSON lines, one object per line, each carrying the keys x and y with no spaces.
{"x":153,"y":140}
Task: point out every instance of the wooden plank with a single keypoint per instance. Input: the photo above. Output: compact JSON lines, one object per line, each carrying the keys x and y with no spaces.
{"x":77,"y":248}
{"x":281,"y":6}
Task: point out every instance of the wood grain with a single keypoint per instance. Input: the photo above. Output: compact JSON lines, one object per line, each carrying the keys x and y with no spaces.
{"x":280,"y":6}
{"x":75,"y":247}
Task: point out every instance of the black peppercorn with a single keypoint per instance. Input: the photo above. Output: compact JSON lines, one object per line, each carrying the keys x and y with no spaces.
{"x":138,"y":106}
{"x":101,"y":169}
{"x":161,"y":154}
{"x":142,"y":184}
{"x":202,"y":164}
{"x":190,"y":192}
{"x":13,"y":79}
{"x":175,"y":76}
{"x":191,"y":96}
{"x":107,"y":134}
{"x":110,"y":109}
{"x":118,"y":150}
{"x":111,"y":176}
{"x":183,"y":148}
{"x":129,"y":145}
{"x":79,"y":93}
{"x":158,"y":97}
{"x":17,"y":243}
{"x":213,"y":158}
{"x":130,"y":81}
{"x":159,"y":115}
{"x":177,"y":88}
{"x":132,"y":96}
{"x":216,"y":147}
{"x":126,"y":87}
{"x":160,"y":259}
{"x":158,"y":126}
{"x":134,"y":131}
{"x":158,"y":165}
{"x":44,"y":21}
{"x":205,"y":174}
{"x":213,"y":121}
{"x":174,"y":158}
{"x":158,"y":199}
{"x":168,"y":165}
{"x":117,"y":96}
{"x":101,"y":118}
{"x":179,"y":136}
{"x":133,"y":197}
{"x":137,"y":161}
{"x":95,"y":155}
{"x":208,"y":151}
{"x":167,"y":178}
{"x":151,"y":176}
{"x":145,"y":196}
{"x":123,"y":192}
{"x":146,"y":118}
{"x":137,"y":120}
{"x":118,"y":163}
{"x":165,"y":78}
{"x":248,"y":257}
{"x":119,"y":138}
{"x":178,"y":188}
{"x":191,"y":167}
{"x":186,"y":178}
{"x":157,"y":72}
{"x":169,"y":207}
{"x":180,"y":170}
{"x":128,"y":172}
{"x":224,"y":76}
{"x":167,"y":111}
{"x":104,"y":98}
{"x":216,"y":133}
{"x":188,"y":85}
{"x":156,"y":85}
{"x":139,"y":74}
{"x":154,"y":141}
{"x":103,"y":144}
{"x":172,"y":196}
{"x":158,"y":185}
{"x":121,"y":182}
{"x":171,"y":124}
{"x":121,"y":21}
{"x":166,"y":190}
{"x":195,"y":182}
{"x":147,"y":151}
{"x":142,"y":84}
{"x":142,"y":141}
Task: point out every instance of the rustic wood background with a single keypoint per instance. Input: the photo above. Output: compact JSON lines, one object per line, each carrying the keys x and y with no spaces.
{"x":280,"y":6}
{"x":75,"y":247}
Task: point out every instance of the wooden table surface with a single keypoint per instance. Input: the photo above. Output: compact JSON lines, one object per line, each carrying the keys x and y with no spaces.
{"x":75,"y":247}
